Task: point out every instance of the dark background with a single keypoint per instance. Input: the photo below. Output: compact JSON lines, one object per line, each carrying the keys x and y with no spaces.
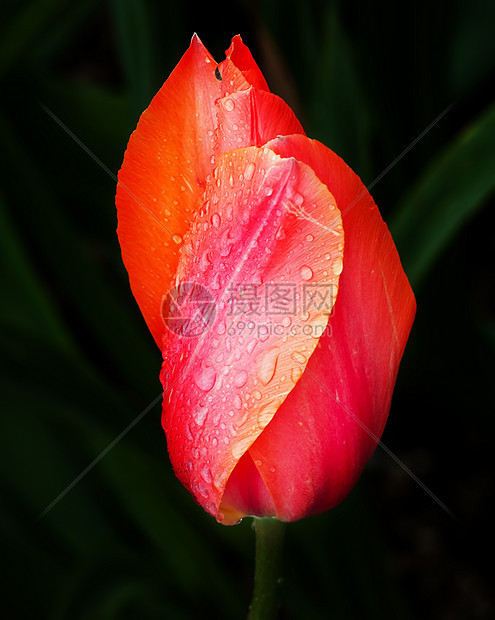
{"x":78,"y":364}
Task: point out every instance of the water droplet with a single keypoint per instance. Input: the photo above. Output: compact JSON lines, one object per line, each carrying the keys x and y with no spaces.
{"x":295,"y":374}
{"x":306,"y":272}
{"x":250,"y":345}
{"x":266,"y":369}
{"x":204,"y":261}
{"x":298,"y":357}
{"x":200,"y":416}
{"x":205,"y":378}
{"x":257,"y":395}
{"x":263,"y":333}
{"x":229,"y":105}
{"x":280,"y":234}
{"x":177,"y":238}
{"x":268,"y":191}
{"x":267,"y":412}
{"x":337,"y":266}
{"x":286,"y":321}
{"x":249,"y":172}
{"x":243,"y":419}
{"x":215,"y":220}
{"x":241,"y":378}
{"x":327,"y":257}
{"x":297,"y":199}
{"x":309,"y":238}
{"x":206,"y":475}
{"x":237,"y":402}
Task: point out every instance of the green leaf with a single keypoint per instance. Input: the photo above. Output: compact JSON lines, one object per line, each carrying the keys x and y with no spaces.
{"x":134,"y":42}
{"x":450,"y":191}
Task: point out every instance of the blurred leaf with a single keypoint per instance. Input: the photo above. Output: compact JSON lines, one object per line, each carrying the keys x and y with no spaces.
{"x":26,"y":304}
{"x":18,"y":34}
{"x":339,"y":108}
{"x":449,"y":192}
{"x":472,"y":56}
{"x":135,"y":43}
{"x":80,"y":284}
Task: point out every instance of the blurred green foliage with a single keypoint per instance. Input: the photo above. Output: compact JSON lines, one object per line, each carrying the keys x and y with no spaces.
{"x":78,"y":364}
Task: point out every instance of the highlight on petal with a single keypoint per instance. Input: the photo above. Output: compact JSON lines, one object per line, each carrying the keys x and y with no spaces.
{"x":332,"y":418}
{"x":266,"y":226}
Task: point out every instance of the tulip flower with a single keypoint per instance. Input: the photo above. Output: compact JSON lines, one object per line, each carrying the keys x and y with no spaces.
{"x":272,"y":286}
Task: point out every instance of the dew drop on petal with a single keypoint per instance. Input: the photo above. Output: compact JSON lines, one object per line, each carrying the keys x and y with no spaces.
{"x":263,"y":333}
{"x":295,"y":374}
{"x":337,"y":266}
{"x":241,"y":378}
{"x":205,"y":378}
{"x":206,"y":475}
{"x":306,"y":272}
{"x":250,"y":345}
{"x":215,"y":220}
{"x":177,"y":239}
{"x":266,"y":368}
{"x":298,"y":199}
{"x":237,"y":402}
{"x":200,"y":416}
{"x":298,"y":357}
{"x":249,"y":172}
{"x":229,"y":105}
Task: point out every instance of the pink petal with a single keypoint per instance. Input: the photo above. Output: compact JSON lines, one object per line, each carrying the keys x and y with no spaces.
{"x":264,"y":221}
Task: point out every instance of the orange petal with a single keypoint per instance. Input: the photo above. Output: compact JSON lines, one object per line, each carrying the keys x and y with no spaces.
{"x":169,"y":156}
{"x":166,"y":162}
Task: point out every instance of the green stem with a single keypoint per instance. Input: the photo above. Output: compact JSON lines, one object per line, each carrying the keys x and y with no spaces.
{"x":267,"y":573}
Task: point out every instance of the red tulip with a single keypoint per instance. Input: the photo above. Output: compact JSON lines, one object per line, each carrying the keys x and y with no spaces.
{"x":272,"y":286}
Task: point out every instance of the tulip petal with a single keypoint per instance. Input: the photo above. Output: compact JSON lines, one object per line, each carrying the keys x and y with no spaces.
{"x":315,"y":447}
{"x":170,"y":154}
{"x":268,"y":231}
{"x":253,"y":117}
{"x":167,"y":158}
{"x":239,"y":57}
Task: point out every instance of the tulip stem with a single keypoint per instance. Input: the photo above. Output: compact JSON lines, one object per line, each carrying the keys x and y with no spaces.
{"x":268,"y":564}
